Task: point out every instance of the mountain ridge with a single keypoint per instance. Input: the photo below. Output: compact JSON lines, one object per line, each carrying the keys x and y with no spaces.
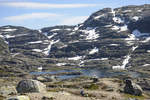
{"x":113,"y":38}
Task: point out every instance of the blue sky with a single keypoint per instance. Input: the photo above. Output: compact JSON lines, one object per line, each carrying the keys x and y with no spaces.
{"x":36,"y":14}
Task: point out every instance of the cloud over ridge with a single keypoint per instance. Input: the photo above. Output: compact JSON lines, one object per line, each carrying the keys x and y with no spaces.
{"x":31,"y":16}
{"x":35,"y":5}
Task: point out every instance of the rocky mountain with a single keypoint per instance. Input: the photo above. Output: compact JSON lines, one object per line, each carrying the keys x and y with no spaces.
{"x":109,"y":38}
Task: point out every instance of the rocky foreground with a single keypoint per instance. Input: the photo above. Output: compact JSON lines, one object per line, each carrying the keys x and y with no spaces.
{"x":82,"y":88}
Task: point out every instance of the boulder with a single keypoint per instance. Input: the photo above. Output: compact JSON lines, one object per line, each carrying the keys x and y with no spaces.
{"x":19,"y":98}
{"x":47,"y":98}
{"x":132,"y":88}
{"x":95,"y":80}
{"x":28,"y":86}
{"x":41,"y":79}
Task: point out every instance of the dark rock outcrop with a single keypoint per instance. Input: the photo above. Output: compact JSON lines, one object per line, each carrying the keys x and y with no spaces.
{"x":132,"y":88}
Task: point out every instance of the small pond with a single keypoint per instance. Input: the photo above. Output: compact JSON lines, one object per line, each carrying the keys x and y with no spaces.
{"x":90,"y":72}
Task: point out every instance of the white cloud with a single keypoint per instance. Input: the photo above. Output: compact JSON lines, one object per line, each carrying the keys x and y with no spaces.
{"x":44,"y":5}
{"x":32,"y":16}
{"x":74,"y":20}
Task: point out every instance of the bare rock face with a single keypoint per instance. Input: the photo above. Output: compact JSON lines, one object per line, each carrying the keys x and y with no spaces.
{"x":132,"y":88}
{"x":145,"y":84}
{"x":28,"y":86}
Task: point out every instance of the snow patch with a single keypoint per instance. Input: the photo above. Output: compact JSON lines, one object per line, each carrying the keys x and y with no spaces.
{"x":61,"y":64}
{"x":125,"y":61}
{"x":138,"y":34}
{"x":68,"y":29}
{"x":37,"y":50}
{"x":51,"y":36}
{"x":35,"y":42}
{"x":113,"y":12}
{"x":72,"y":33}
{"x":131,"y":37}
{"x":114,"y":44}
{"x":134,"y":47}
{"x":18,"y":35}
{"x":97,"y":17}
{"x":115,"y":27}
{"x":76,"y":28}
{"x":74,"y":41}
{"x":146,"y":65}
{"x":140,"y":10}
{"x":12,"y":36}
{"x":123,"y":28}
{"x":75,"y":58}
{"x":40,"y":68}
{"x":15,"y":54}
{"x":120,"y":28}
{"x":55,"y":30}
{"x":48,"y":49}
{"x":136,"y":18}
{"x":127,"y":11}
{"x":108,"y":26}
{"x":1,"y":36}
{"x":91,"y":34}
{"x":9,"y":30}
{"x":93,"y":51}
{"x":117,"y":20}
{"x":40,"y":31}
{"x":92,"y":59}
{"x":81,"y":64}
{"x":9,"y":36}
{"x":63,"y":46}
{"x":104,"y":59}
{"x":146,"y":40}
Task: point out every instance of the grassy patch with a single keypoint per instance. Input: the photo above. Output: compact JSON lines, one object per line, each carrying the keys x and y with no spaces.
{"x":54,"y":90}
{"x":59,"y":83}
{"x":127,"y":96}
{"x":92,"y":87}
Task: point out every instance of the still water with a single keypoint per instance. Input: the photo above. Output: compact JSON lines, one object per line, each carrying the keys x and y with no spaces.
{"x":90,"y":72}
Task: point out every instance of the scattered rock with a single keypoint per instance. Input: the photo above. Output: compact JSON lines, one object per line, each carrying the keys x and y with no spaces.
{"x":46,"y":78}
{"x":95,"y":80}
{"x":52,"y":78}
{"x":40,"y":78}
{"x":28,"y":86}
{"x":132,"y":88}
{"x":109,"y":88}
{"x":47,"y":98}
{"x":7,"y":90}
{"x":22,"y":97}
